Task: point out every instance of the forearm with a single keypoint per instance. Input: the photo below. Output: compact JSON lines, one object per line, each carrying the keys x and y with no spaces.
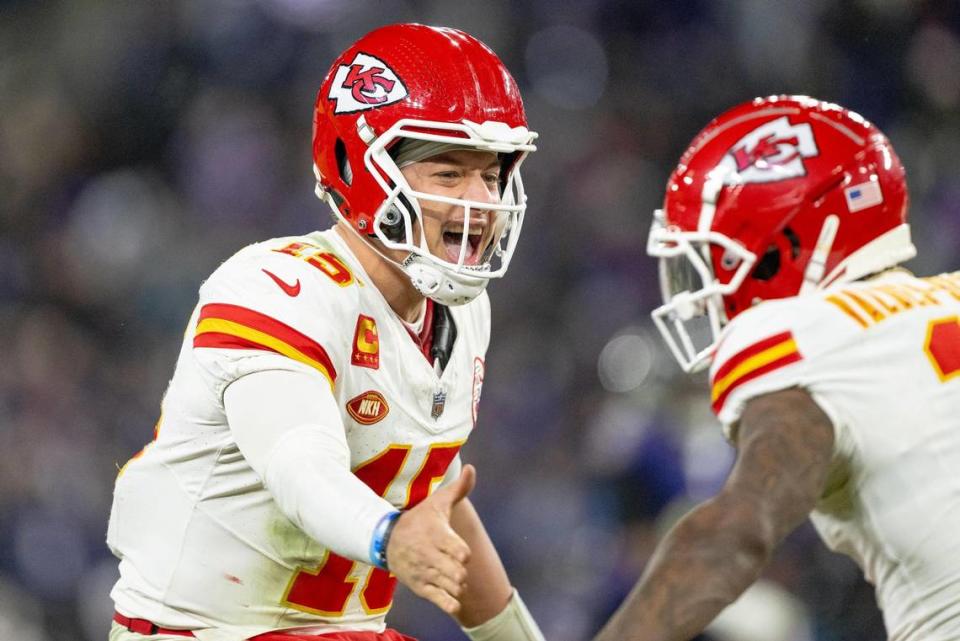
{"x":491,"y":610}
{"x":288,"y":428}
{"x":716,"y":551}
{"x":703,"y":564}
{"x":321,"y":496}
{"x":488,"y":588}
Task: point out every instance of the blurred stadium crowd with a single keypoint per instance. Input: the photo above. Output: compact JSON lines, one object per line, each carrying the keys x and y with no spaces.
{"x":142,"y":143}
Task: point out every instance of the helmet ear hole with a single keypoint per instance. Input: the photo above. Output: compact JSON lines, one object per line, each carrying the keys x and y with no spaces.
{"x":343,"y":163}
{"x":392,"y":225}
{"x":794,"y":242}
{"x":768,"y":266}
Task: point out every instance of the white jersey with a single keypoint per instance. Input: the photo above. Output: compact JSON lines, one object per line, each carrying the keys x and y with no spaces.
{"x":882,"y":359}
{"x":202,"y":544}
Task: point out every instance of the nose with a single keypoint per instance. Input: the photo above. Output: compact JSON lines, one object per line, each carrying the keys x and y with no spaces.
{"x":479,"y":190}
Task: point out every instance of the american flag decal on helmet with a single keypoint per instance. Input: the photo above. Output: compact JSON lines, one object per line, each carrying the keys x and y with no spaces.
{"x":862,"y":196}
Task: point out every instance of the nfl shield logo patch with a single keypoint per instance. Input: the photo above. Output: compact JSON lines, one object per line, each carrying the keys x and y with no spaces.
{"x":439,"y":400}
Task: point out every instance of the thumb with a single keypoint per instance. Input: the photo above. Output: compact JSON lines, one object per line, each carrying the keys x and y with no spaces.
{"x":459,"y":489}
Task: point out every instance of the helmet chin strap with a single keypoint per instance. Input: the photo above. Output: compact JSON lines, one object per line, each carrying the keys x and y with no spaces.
{"x":433,"y":282}
{"x":428,"y":279}
{"x":438,"y":284}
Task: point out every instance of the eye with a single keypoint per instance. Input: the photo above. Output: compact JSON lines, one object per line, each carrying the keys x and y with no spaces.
{"x":491,"y":178}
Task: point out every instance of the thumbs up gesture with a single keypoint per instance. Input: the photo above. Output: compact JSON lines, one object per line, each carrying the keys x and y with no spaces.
{"x":425,"y":553}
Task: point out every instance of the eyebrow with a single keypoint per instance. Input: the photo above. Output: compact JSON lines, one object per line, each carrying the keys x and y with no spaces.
{"x":449,"y":159}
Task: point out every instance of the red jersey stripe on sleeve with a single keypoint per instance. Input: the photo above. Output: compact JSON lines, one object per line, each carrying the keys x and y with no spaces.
{"x":752,"y":362}
{"x":235,"y":327}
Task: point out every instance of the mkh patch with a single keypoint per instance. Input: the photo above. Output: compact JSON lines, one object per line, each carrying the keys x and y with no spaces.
{"x":368,"y":408}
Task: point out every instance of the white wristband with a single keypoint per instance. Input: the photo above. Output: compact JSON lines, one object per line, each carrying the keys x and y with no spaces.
{"x":514,"y":623}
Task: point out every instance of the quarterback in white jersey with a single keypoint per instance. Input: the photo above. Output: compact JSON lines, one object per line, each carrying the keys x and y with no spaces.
{"x":403,"y":425}
{"x":327,"y":382}
{"x":835,"y":373}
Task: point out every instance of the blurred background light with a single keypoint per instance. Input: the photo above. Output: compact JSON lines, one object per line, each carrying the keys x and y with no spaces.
{"x":625,"y":362}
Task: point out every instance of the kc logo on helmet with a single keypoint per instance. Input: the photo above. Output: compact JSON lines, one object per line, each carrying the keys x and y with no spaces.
{"x":771,"y":152}
{"x":366,"y":83}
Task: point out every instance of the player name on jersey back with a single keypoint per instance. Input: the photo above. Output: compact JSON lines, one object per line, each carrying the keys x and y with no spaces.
{"x":882,"y":359}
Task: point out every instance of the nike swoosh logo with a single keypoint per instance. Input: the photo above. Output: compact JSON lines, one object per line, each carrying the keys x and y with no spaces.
{"x":289,"y":290}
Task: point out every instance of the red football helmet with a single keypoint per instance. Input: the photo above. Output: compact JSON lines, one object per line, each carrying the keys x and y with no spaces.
{"x":410,"y":81}
{"x":774,"y":198}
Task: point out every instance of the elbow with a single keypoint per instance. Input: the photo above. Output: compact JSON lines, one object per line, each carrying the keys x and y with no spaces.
{"x":750,"y":551}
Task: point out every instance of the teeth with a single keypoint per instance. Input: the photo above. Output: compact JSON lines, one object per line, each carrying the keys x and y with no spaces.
{"x":473,"y":232}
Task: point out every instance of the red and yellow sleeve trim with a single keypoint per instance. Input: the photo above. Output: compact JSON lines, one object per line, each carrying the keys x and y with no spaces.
{"x":754,"y":361}
{"x":234,"y":327}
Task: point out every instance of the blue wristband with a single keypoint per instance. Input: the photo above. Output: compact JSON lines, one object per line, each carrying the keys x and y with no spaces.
{"x":380,"y":539}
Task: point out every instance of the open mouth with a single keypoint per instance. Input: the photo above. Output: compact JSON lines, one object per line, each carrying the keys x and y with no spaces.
{"x":453,"y":241}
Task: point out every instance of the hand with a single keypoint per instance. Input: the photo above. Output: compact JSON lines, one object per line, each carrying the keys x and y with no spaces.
{"x":425,"y":553}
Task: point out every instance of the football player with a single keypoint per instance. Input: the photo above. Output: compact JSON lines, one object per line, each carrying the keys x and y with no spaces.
{"x":327,"y":382}
{"x":834,"y":372}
